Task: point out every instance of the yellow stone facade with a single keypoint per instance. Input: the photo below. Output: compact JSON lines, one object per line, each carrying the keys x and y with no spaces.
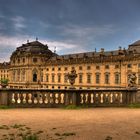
{"x":33,"y":65}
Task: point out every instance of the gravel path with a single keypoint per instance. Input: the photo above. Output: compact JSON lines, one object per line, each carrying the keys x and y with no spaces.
{"x":81,"y":124}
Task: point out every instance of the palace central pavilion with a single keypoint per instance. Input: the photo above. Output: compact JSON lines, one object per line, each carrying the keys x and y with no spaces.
{"x":33,"y":65}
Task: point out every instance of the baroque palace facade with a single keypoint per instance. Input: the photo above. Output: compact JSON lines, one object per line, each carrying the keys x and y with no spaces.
{"x":33,"y":65}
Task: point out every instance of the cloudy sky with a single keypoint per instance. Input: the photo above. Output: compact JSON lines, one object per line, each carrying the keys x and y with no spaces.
{"x":69,"y":25}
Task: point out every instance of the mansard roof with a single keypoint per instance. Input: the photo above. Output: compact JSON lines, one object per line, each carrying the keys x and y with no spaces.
{"x":4,"y":65}
{"x":92,"y":54}
{"x":135,"y":46}
{"x":137,"y":43}
{"x":33,"y":48}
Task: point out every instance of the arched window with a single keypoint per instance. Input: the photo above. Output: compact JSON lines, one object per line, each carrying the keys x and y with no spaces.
{"x":97,"y":78}
{"x":107,"y":78}
{"x":14,"y":76}
{"x":35,"y":75}
{"x":117,"y":78}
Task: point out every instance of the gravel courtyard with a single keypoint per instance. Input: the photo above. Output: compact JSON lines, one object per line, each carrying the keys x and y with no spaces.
{"x":81,"y":124}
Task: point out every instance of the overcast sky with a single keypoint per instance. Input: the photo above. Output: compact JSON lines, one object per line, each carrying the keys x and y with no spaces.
{"x":70,"y":25}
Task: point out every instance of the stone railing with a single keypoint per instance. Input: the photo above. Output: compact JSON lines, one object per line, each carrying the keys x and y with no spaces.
{"x":60,"y":98}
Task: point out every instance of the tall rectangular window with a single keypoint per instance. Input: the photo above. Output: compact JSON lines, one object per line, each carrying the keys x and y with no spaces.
{"x":59,"y":78}
{"x":53,"y":78}
{"x":18,"y":75}
{"x":80,"y":78}
{"x":41,"y":77}
{"x":80,"y":67}
{"x":97,"y":78}
{"x":117,"y":78}
{"x":88,"y":78}
{"x":139,"y":79}
{"x":65,"y":78}
{"x":47,"y":78}
{"x":14,"y":76}
{"x":23,"y":76}
{"x":107,"y":78}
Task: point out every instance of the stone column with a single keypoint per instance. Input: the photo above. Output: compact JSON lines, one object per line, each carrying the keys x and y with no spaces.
{"x":67,"y":100}
{"x":74,"y":101}
{"x":4,"y":97}
{"x":137,"y":96}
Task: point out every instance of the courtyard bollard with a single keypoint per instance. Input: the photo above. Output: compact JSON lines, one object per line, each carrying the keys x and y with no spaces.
{"x":3,"y":97}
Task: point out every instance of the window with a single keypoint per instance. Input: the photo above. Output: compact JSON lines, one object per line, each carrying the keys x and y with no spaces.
{"x":52,"y":69}
{"x":80,"y":78}
{"x":65,"y":68}
{"x":59,"y":78}
{"x":34,"y":77}
{"x":18,"y":60}
{"x":88,"y":67}
{"x":23,"y":60}
{"x":106,"y":66}
{"x":47,"y":78}
{"x":41,"y":77}
{"x":53,"y":78}
{"x":80,"y":67}
{"x":106,"y":78}
{"x":116,"y":66}
{"x":23,"y":75}
{"x":129,"y":66}
{"x":117,"y":78}
{"x":97,"y":78}
{"x":34,"y":60}
{"x":72,"y":68}
{"x":139,"y":79}
{"x":65,"y":78}
{"x":14,"y":61}
{"x":97,"y":67}
{"x":88,"y":78}
{"x":14,"y":76}
{"x":59,"y":69}
{"x":47,"y":69}
{"x":18,"y":75}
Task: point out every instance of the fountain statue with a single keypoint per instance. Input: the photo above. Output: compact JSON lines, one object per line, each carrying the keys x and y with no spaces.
{"x":132,"y":80}
{"x":71,"y":77}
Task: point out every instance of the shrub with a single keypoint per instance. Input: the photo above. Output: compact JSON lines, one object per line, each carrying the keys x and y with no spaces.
{"x":4,"y":81}
{"x":134,"y":105}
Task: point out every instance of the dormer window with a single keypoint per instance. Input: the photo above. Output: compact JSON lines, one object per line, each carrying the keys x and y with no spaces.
{"x":34,"y":60}
{"x":23,"y":60}
{"x":18,"y":60}
{"x":129,"y":66}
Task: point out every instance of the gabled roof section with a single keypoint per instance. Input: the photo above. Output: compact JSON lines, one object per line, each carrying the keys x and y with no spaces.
{"x":137,"y":43}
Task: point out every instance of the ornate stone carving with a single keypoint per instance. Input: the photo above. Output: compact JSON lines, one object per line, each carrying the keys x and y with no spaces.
{"x":72,"y":76}
{"x":132,"y":80}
